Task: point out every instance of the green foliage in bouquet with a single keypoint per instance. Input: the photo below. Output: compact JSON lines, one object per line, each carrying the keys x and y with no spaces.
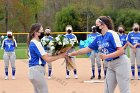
{"x":59,"y":44}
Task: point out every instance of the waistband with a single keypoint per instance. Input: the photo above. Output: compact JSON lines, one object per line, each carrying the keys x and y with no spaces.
{"x":113,"y":59}
{"x":43,"y":65}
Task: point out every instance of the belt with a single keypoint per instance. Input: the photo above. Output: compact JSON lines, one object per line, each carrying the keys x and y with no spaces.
{"x":114,"y":58}
{"x":42,"y":65}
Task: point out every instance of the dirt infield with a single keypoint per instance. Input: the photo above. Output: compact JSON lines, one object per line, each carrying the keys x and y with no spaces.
{"x":58,"y":83}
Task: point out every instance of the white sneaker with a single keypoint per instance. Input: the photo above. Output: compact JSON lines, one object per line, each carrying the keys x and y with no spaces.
{"x":138,"y":77}
{"x":49,"y":77}
{"x":133,"y":77}
{"x":67,"y":77}
{"x":75,"y":76}
{"x":13,"y":77}
{"x":6,"y":78}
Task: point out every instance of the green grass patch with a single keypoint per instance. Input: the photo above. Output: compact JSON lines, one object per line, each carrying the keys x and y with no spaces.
{"x":21,"y":52}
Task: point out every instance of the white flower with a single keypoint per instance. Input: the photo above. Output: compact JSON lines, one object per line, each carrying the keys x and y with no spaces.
{"x":72,"y":43}
{"x":57,"y":38}
{"x":52,"y":48}
{"x":51,"y":43}
{"x":59,"y":43}
{"x":2,"y":37}
{"x":43,"y":42}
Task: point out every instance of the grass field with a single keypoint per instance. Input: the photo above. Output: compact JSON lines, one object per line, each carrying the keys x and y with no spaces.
{"x":21,"y":52}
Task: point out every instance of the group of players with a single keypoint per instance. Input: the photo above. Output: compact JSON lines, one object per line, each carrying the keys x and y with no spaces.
{"x":106,"y":45}
{"x":132,"y":40}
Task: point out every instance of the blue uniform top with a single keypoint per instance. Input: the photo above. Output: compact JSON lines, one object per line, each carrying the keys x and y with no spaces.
{"x":107,"y":43}
{"x":70,"y":36}
{"x":134,"y":38}
{"x":35,"y":52}
{"x":123,"y":39}
{"x":91,"y":38}
{"x":9,"y":45}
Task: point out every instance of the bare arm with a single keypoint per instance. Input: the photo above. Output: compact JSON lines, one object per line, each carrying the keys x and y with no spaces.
{"x":138,"y":44}
{"x":80,"y":51}
{"x":125,"y":46}
{"x":50,"y":59}
{"x":130,"y":44}
{"x":120,"y":51}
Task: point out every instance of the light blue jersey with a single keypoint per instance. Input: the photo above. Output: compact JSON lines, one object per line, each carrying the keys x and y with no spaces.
{"x":91,"y":38}
{"x":123,"y":39}
{"x":35,"y":52}
{"x":107,"y":43}
{"x":9,"y":45}
{"x":134,"y":38}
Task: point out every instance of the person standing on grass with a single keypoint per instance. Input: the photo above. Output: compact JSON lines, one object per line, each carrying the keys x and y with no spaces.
{"x":46,"y":38}
{"x":9,"y":44}
{"x":133,"y":40}
{"x":38,"y":58}
{"x":111,"y":50}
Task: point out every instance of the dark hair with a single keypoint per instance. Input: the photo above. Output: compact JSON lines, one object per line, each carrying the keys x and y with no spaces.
{"x":107,"y":21}
{"x":34,"y":28}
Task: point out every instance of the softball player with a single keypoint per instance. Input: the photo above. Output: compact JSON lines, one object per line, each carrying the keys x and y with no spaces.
{"x":122,"y":35}
{"x":95,"y":54}
{"x":45,"y":38}
{"x":38,"y":58}
{"x":133,"y":41}
{"x":9,"y":44}
{"x":109,"y":45}
{"x":69,"y":35}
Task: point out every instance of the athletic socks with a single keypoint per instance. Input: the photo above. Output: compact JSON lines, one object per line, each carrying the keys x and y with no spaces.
{"x":138,"y":71}
{"x":13,"y":71}
{"x":99,"y":72}
{"x":75,"y":72}
{"x":93,"y":74}
{"x":133,"y":70}
{"x":50,"y":71}
{"x":6,"y":71}
{"x":67,"y":72}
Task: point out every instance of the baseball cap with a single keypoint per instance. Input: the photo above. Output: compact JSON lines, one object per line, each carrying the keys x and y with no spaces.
{"x":9,"y":33}
{"x":47,"y":30}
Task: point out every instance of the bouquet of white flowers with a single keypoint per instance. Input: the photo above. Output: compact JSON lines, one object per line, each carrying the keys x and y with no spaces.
{"x":59,"y":45}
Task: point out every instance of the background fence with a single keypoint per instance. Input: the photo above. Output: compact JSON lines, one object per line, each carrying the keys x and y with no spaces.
{"x":22,"y":37}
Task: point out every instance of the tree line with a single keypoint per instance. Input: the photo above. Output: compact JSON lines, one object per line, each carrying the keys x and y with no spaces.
{"x":18,"y":15}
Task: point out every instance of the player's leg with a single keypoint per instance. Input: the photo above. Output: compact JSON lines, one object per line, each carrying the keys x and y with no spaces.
{"x":110,"y":81}
{"x":12,"y":60}
{"x":105,"y":65}
{"x":75,"y":70}
{"x":49,"y":70}
{"x":132,"y":58}
{"x":36,"y":76}
{"x":123,"y":75}
{"x":98,"y":61}
{"x":92,"y":59}
{"x":138,"y":61}
{"x":6,"y":64}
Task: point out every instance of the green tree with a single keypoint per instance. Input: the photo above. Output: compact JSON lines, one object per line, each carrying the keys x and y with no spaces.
{"x":67,"y":16}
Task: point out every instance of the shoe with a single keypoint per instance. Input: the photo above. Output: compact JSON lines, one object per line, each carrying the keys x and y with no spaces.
{"x":138,"y":77}
{"x":6,"y":78}
{"x":13,"y":77}
{"x":49,"y":77}
{"x":67,"y":77}
{"x":75,"y":76}
{"x":133,"y":77}
{"x":99,"y":76}
{"x":92,"y":77}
